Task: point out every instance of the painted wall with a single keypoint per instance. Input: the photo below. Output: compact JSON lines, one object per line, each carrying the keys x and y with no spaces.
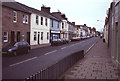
{"x":39,"y":28}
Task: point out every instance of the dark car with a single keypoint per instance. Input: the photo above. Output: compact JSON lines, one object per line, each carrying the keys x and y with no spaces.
{"x":16,"y":48}
{"x":56,"y":42}
{"x":64,"y":41}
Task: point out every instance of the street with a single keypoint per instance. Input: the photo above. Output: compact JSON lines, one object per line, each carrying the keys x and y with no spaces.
{"x":24,"y":65}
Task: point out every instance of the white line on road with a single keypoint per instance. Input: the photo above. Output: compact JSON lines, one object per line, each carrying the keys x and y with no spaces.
{"x":50,"y":52}
{"x":63,"y":48}
{"x":90,"y":47}
{"x":22,"y":61}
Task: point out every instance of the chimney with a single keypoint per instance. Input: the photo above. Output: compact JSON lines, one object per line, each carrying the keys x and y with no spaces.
{"x":63,"y":15}
{"x":73,"y":23}
{"x":45,"y":9}
{"x":84,"y":24}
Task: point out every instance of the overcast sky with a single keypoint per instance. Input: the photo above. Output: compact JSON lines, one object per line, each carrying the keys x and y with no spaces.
{"x":78,"y":11}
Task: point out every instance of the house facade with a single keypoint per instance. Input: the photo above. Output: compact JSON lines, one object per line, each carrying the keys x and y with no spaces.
{"x":55,"y":24}
{"x":114,"y":32}
{"x":63,"y":24}
{"x":40,"y":29}
{"x":39,"y":26}
{"x":70,"y":30}
{"x":18,"y":23}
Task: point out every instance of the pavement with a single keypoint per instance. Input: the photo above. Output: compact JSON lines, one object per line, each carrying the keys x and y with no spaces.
{"x":40,"y":45}
{"x":97,"y":64}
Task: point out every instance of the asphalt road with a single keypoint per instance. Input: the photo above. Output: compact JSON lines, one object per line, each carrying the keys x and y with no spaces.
{"x":23,"y":66}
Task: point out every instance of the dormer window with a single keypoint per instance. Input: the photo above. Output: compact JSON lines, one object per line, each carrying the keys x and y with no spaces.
{"x":14,"y":16}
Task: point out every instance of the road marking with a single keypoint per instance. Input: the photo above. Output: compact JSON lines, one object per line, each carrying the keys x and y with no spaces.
{"x":90,"y":47}
{"x":50,"y":52}
{"x":22,"y":61}
{"x":63,"y":48}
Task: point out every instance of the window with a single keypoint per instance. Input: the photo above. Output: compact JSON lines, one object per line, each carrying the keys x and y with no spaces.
{"x":14,"y":16}
{"x":5,"y":37}
{"x":25,"y":19}
{"x":58,"y":25}
{"x":41,"y":20}
{"x":37,"y":20}
{"x":41,"y":35}
{"x":35,"y":36}
{"x":46,"y":22}
{"x":62,"y":25}
{"x":47,"y":35}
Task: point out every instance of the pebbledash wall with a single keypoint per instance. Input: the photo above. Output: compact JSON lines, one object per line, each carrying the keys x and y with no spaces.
{"x":37,"y":30}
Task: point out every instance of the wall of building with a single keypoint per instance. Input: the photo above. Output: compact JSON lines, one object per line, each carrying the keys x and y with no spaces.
{"x":8,"y":24}
{"x":38,"y":29}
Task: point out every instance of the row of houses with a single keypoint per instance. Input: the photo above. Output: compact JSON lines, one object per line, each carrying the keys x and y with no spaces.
{"x":112,"y":31}
{"x":23,"y":23}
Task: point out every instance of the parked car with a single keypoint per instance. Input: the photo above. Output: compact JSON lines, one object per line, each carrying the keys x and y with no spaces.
{"x":88,"y":37}
{"x":56,"y":42}
{"x":75,"y":39}
{"x":16,"y":48}
{"x":64,"y":41}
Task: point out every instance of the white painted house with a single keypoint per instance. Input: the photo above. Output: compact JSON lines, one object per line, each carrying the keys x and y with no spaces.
{"x":39,"y":27}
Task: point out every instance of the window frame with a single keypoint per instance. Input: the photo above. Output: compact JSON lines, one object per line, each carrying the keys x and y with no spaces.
{"x":26,"y":19}
{"x":37,"y":19}
{"x":41,"y":20}
{"x":5,"y":36}
{"x":35,"y":36}
{"x":47,"y":35}
{"x":15,"y":16}
{"x":41,"y":35}
{"x":46,"y":21}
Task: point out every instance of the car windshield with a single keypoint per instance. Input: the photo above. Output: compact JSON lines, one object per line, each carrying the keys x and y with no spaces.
{"x":16,"y":44}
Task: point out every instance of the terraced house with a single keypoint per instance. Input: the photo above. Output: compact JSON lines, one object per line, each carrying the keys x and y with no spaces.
{"x":39,"y":27}
{"x":55,"y":24}
{"x":15,"y":23}
{"x":64,"y":24}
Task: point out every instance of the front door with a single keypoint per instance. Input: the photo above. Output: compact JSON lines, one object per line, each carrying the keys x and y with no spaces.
{"x":12,"y":37}
{"x":38,"y":37}
{"x":18,"y":36}
{"x":28,"y":37}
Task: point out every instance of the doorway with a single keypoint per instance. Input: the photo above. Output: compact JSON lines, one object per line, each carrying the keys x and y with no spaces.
{"x":12,"y":37}
{"x":38,"y":37}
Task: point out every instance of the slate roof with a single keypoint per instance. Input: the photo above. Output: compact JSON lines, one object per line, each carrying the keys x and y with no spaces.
{"x":16,"y":6}
{"x":58,"y":15}
{"x":25,"y":8}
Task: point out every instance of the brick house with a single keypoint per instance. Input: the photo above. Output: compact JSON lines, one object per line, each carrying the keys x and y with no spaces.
{"x":15,"y":23}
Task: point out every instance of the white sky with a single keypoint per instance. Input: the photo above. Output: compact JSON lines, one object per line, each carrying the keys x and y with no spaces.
{"x":78,"y":11}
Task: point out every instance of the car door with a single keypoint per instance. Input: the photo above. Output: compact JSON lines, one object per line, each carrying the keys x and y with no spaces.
{"x":25,"y":48}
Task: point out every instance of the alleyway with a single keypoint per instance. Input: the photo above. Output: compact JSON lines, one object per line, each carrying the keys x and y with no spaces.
{"x":97,"y":64}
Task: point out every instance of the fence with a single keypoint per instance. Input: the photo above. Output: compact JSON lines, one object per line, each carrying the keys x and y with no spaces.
{"x":54,"y":71}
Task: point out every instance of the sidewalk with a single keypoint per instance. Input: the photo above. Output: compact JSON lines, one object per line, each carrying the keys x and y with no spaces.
{"x":39,"y":46}
{"x":96,"y":64}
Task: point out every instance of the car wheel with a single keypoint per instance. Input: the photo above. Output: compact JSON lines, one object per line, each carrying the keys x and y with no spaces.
{"x":15,"y":53}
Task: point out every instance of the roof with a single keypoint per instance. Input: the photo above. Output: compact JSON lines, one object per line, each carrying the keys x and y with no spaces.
{"x":42,"y":13}
{"x":27,"y":9}
{"x":16,"y":6}
{"x":58,"y":15}
{"x":70,"y":22}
